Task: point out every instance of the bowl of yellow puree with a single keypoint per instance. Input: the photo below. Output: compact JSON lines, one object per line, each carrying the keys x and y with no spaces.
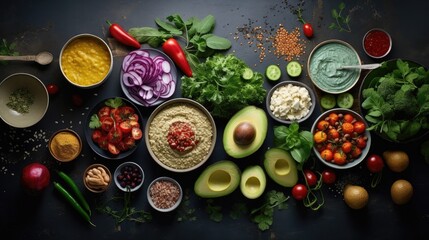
{"x":86,"y":60}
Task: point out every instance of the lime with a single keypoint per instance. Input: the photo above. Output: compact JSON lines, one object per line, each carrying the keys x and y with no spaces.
{"x":345,"y":100}
{"x":328,"y":101}
{"x":247,"y":74}
{"x":273,"y":72}
{"x":293,"y":68}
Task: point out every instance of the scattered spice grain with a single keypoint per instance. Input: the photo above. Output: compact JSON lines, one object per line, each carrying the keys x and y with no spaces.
{"x":288,"y":45}
{"x":20,"y":100}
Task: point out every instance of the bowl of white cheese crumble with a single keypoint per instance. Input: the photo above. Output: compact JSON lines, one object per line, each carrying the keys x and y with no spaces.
{"x":290,"y":101}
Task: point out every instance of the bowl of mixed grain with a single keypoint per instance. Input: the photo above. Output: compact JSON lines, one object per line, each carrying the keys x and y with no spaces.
{"x":24,"y":100}
{"x":164,"y":194}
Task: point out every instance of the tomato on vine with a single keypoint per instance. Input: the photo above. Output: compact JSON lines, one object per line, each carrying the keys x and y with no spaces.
{"x":299,"y":191}
{"x":375,"y":165}
{"x":310,"y":177}
{"x":329,"y":176}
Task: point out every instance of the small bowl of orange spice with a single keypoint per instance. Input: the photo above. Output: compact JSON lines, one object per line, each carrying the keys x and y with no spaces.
{"x":65,"y":145}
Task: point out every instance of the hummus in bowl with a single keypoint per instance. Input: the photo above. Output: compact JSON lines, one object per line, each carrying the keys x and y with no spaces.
{"x":180,"y":135}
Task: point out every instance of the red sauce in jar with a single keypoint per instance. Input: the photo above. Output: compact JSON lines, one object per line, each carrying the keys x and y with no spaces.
{"x":181,"y":136}
{"x":377,"y":43}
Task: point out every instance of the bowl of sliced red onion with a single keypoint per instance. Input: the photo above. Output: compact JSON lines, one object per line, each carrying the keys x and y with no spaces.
{"x":148,"y":77}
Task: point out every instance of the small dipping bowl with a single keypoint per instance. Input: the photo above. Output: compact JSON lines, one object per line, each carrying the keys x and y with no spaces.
{"x":129,"y":176}
{"x":164,"y":194}
{"x":65,"y":145}
{"x":86,"y":61}
{"x":377,"y":43}
{"x":97,"y":178}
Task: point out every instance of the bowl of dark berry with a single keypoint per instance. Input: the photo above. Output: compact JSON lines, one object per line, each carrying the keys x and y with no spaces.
{"x":129,"y":176}
{"x":164,"y":194}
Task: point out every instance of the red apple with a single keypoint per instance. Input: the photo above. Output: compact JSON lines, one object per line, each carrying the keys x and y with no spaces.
{"x":35,"y":177}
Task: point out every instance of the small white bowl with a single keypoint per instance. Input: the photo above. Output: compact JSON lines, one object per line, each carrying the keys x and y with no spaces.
{"x":79,"y":60}
{"x":162,"y":188}
{"x":137,"y":180}
{"x":36,"y":110}
{"x":293,"y":83}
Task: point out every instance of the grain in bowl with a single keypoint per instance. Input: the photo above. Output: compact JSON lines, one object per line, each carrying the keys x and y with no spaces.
{"x":180,"y":135}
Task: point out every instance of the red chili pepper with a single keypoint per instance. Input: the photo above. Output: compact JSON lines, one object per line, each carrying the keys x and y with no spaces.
{"x":122,"y":36}
{"x":173,"y":49}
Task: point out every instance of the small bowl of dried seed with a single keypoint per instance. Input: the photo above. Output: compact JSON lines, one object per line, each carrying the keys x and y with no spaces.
{"x":164,"y":194}
{"x":129,"y":176}
{"x":97,"y":178}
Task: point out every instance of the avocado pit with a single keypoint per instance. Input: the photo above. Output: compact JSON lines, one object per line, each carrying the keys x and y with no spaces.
{"x":244,"y":133}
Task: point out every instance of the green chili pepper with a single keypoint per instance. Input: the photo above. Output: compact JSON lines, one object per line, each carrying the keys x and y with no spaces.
{"x":76,"y":191}
{"x":73,"y":202}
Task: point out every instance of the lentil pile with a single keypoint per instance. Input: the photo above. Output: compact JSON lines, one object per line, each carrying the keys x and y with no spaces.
{"x":164,"y":194}
{"x":288,"y":45}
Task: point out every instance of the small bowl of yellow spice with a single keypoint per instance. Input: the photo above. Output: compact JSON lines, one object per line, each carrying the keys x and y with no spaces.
{"x":86,"y":60}
{"x":65,"y":145}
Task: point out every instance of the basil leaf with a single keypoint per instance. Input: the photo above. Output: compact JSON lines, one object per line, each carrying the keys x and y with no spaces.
{"x":206,"y":25}
{"x":168,"y":27}
{"x":218,"y":43}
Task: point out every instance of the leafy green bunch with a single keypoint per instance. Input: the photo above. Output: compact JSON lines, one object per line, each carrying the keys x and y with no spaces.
{"x":219,"y":85}
{"x":298,"y":142}
{"x":200,"y":42}
{"x":398,"y":104}
{"x":7,"y":49}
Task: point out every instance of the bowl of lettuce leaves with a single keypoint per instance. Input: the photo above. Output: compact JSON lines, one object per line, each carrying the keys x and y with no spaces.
{"x":394,"y":100}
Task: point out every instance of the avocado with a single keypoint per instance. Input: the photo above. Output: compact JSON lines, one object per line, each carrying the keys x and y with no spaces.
{"x":253,"y":182}
{"x":219,"y":179}
{"x":281,"y":167}
{"x":245,"y":132}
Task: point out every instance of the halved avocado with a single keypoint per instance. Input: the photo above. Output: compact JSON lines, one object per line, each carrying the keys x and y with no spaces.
{"x":253,"y":182}
{"x":281,"y":167}
{"x":245,"y":132}
{"x":217,"y":180}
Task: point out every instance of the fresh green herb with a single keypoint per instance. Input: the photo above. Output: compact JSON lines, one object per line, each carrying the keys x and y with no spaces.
{"x":298,"y":142}
{"x":94,"y":122}
{"x":341,"y":22}
{"x":7,"y":49}
{"x":127,"y":213}
{"x":114,"y":102}
{"x":185,"y":212}
{"x":20,"y":100}
{"x":196,"y":33}
{"x":214,"y":212}
{"x":238,"y":209}
{"x":218,"y":85}
{"x":424,"y":150}
{"x":263,"y":215}
{"x":398,"y":103}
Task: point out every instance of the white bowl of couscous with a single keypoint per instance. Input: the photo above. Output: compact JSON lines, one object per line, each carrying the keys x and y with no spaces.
{"x":290,"y":101}
{"x":86,"y":60}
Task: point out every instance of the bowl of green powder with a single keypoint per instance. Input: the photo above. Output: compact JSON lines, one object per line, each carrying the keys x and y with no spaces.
{"x":24,"y":100}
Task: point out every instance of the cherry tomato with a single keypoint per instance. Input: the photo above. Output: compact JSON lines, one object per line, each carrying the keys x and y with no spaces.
{"x":374,"y":163}
{"x":320,"y":137}
{"x":327,"y":155}
{"x":107,"y":123}
{"x":115,"y":135}
{"x":113,"y":149}
{"x":96,"y":135}
{"x":322,"y":125}
{"x":361,"y":142}
{"x":136,"y":133}
{"x":52,"y":88}
{"x":299,"y":191}
{"x":333,"y":134}
{"x":311,"y":177}
{"x":347,"y":147}
{"x":333,"y":118}
{"x":308,"y":30}
{"x":359,"y":127}
{"x":340,"y":158}
{"x":348,"y":118}
{"x":329,"y":176}
{"x":125,"y":127}
{"x":104,"y":112}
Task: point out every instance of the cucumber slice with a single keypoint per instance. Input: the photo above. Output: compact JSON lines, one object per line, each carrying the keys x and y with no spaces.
{"x":345,"y":100}
{"x":247,"y":74}
{"x":293,"y":68}
{"x":273,"y":72}
{"x":328,"y":101}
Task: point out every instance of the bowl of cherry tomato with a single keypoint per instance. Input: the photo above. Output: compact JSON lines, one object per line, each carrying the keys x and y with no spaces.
{"x":114,"y":128}
{"x":341,"y":138}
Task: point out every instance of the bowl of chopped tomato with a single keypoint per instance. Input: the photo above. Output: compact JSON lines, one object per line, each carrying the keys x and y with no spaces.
{"x":114,"y":128}
{"x":341,"y":138}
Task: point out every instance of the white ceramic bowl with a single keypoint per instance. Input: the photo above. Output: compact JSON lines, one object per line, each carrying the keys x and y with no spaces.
{"x":84,"y":58}
{"x":317,"y":147}
{"x":164,"y":194}
{"x":184,"y":161}
{"x":324,"y":62}
{"x":130,"y":170}
{"x":287,"y":105}
{"x":36,"y":110}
